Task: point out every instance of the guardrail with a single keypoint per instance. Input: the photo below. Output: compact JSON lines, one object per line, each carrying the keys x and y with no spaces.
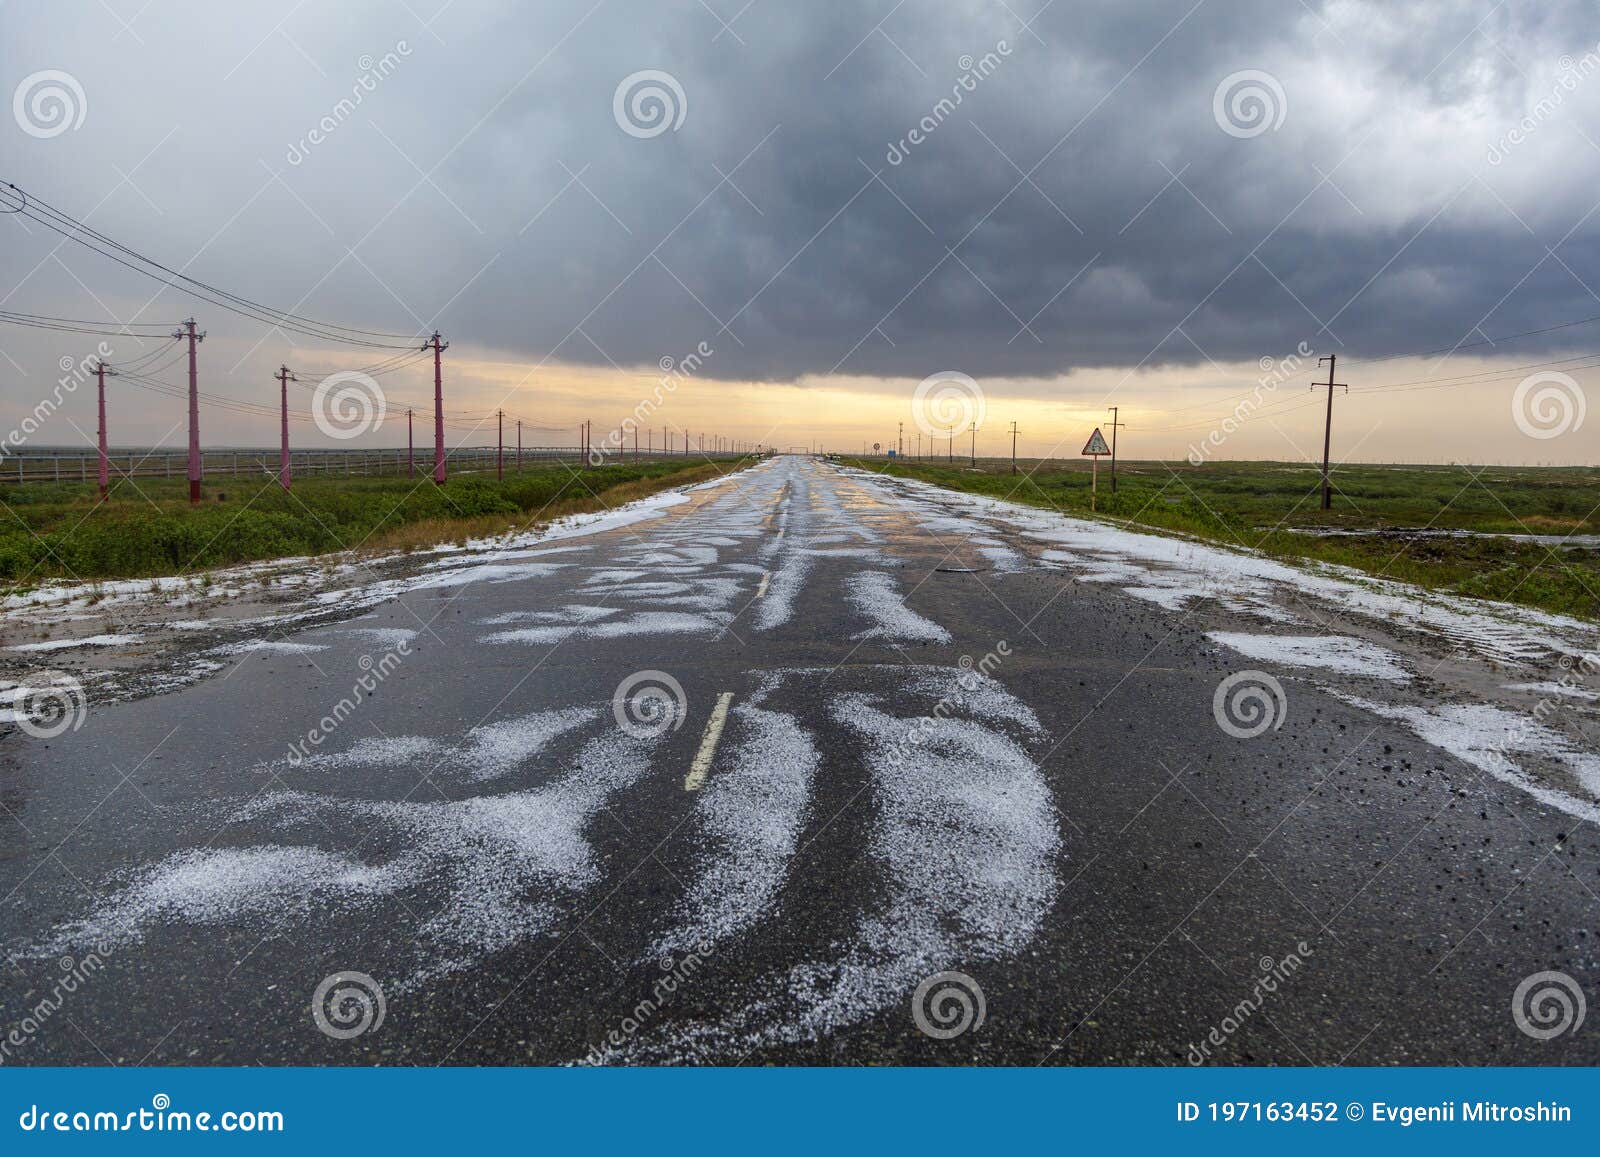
{"x":22,"y":468}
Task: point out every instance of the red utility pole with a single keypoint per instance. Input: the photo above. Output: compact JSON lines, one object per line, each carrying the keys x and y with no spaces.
{"x":100,"y":371}
{"x":500,"y":448}
{"x":438,"y":348}
{"x":284,"y":378}
{"x":196,"y":470}
{"x":411,"y":454}
{"x":1327,"y":432}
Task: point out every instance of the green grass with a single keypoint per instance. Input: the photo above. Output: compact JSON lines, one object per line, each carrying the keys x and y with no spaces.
{"x":64,"y":531}
{"x":1259,"y":504}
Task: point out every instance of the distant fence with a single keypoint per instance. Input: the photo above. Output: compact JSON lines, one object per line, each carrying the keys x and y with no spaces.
{"x":84,"y":466}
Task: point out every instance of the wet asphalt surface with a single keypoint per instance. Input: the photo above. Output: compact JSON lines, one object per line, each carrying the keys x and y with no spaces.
{"x":1394,"y":897}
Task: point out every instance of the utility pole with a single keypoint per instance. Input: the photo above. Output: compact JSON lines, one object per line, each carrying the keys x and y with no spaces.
{"x":500,"y":447}
{"x":438,"y":348}
{"x":1013,"y":447}
{"x":636,"y":440}
{"x":1114,"y":425}
{"x":196,"y":470}
{"x":519,"y":445}
{"x":1327,"y":432}
{"x":974,"y":445}
{"x":950,"y":448}
{"x":100,"y":372}
{"x":900,"y":442}
{"x":411,"y":449}
{"x":284,"y":378}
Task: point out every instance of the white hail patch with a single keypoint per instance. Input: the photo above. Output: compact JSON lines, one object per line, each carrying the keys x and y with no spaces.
{"x":488,"y":751}
{"x":488,"y":867}
{"x":1337,"y":653}
{"x":875,"y":595}
{"x":750,"y":816}
{"x":1489,"y":739}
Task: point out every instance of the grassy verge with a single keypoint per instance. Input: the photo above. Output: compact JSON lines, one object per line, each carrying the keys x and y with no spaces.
{"x":1378,"y":510}
{"x":64,"y":531}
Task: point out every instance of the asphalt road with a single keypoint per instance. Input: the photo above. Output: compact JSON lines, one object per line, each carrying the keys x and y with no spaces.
{"x":939,"y":751}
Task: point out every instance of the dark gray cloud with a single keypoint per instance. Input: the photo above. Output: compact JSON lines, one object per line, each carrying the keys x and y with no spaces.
{"x":1081,"y":206}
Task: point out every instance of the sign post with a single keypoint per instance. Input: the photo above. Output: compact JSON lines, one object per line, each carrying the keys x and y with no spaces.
{"x":1095,"y":448}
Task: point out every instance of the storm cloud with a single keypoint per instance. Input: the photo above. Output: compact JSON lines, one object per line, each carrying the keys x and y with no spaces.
{"x":866,"y":189}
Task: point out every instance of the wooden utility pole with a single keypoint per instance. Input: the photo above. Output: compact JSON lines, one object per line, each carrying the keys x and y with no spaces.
{"x":104,"y":469}
{"x":438,"y":349}
{"x":1013,"y":447}
{"x":974,"y":445}
{"x":284,"y":378}
{"x":1114,"y":425}
{"x":1327,"y":432}
{"x":196,"y":468}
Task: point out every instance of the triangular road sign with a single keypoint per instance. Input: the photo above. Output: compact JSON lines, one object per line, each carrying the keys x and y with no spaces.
{"x":1096,"y":445}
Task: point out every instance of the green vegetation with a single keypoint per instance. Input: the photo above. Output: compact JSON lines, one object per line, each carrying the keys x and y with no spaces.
{"x":149,"y":529}
{"x":1261,"y":505}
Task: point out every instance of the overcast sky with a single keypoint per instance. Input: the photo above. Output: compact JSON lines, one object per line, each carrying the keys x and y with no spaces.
{"x":1130,"y":204}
